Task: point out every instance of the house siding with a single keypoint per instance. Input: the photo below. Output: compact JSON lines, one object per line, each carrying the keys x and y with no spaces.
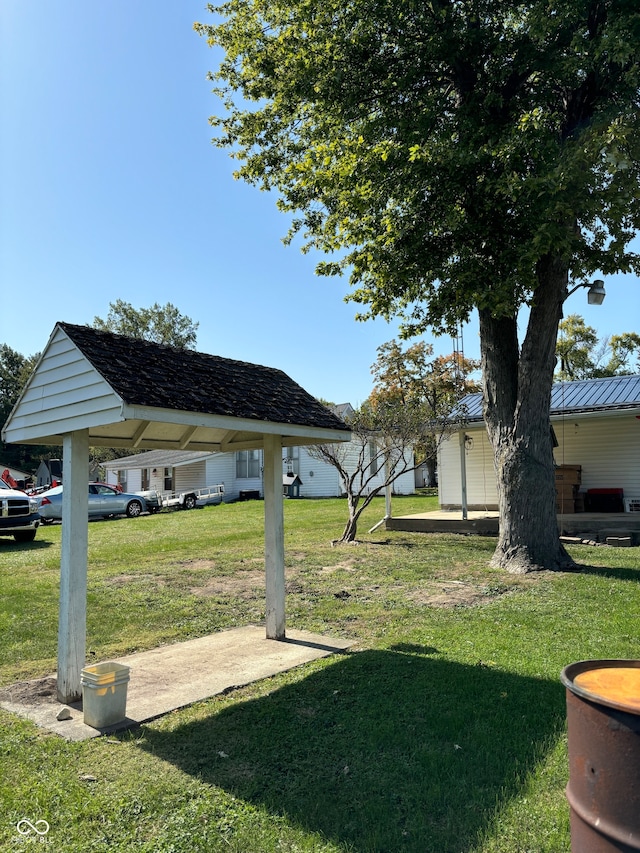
{"x":319,"y":479}
{"x":66,"y":393}
{"x":221,"y":469}
{"x":132,"y":481}
{"x":607,"y":448}
{"x":481,"y":479}
{"x":189,"y":478}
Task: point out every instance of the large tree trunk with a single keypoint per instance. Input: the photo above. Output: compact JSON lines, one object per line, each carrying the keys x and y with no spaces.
{"x":517,"y":400}
{"x":431,"y":465}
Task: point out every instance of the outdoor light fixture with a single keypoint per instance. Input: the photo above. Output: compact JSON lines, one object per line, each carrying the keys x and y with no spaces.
{"x":595,"y":294}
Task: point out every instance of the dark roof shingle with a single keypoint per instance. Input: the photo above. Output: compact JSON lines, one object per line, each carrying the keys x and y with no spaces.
{"x":149,"y":374}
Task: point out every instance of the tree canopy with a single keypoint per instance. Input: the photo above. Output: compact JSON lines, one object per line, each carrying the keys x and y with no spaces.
{"x":449,"y":145}
{"x":162,"y":324}
{"x":583,"y":355}
{"x":15,"y":369}
{"x":412,"y":378}
{"x":453,"y":155}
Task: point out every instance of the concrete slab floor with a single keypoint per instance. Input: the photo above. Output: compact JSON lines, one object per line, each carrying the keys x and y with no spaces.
{"x":173,"y":676}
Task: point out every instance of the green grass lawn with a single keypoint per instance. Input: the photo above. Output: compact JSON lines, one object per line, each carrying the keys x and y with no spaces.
{"x":442,"y":730}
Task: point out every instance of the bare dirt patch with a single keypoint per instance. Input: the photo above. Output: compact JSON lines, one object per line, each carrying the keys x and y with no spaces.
{"x":242,"y":585}
{"x":344,"y":566}
{"x":449,"y":594}
{"x":36,"y":692}
{"x":198,"y":565}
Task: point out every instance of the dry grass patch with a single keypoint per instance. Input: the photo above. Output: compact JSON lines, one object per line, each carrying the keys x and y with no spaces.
{"x":245,"y":584}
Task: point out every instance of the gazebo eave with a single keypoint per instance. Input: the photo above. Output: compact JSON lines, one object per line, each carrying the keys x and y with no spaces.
{"x":148,"y":428}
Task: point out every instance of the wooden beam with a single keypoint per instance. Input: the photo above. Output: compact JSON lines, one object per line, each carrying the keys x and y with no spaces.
{"x":274,"y":538}
{"x":72,"y":624}
{"x":312,"y":434}
{"x":155,"y":444}
{"x":138,"y":434}
{"x":186,"y":436}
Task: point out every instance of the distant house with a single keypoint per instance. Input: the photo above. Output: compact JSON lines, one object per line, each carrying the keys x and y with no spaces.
{"x":240,"y":472}
{"x":49,"y":471}
{"x":15,"y":475}
{"x":596,"y":423}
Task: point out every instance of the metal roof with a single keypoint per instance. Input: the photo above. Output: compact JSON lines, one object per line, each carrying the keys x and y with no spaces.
{"x":610,"y":394}
{"x":156,"y":459}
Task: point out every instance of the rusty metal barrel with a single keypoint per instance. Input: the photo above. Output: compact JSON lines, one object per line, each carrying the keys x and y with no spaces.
{"x":603,"y":724}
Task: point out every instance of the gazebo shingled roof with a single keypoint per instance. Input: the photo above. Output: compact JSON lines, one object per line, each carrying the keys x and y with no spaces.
{"x":151,"y":374}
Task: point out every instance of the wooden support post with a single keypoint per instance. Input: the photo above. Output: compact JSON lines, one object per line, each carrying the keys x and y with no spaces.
{"x":463,"y":472}
{"x":72,"y":625}
{"x":274,"y":538}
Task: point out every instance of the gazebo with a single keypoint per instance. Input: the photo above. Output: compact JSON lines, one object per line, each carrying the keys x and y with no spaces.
{"x":95,"y":388}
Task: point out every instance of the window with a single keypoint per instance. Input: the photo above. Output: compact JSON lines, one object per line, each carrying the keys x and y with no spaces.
{"x":247,"y":464}
{"x":291,"y":460}
{"x":103,"y":489}
{"x":145,"y":480}
{"x":122,"y":480}
{"x":168,"y":480}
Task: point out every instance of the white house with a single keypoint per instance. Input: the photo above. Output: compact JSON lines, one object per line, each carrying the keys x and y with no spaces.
{"x":596,"y":423}
{"x":240,"y":472}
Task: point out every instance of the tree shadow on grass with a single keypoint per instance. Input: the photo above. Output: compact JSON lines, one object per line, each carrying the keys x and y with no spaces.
{"x":380,"y":751}
{"x":621,"y":574}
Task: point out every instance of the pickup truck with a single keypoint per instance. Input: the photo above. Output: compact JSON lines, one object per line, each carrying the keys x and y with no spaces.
{"x":18,"y":514}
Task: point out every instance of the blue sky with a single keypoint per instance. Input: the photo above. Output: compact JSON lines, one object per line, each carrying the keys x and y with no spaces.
{"x":111,"y":189}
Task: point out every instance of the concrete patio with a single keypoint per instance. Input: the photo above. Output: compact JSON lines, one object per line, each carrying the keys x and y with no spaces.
{"x":174,"y":676}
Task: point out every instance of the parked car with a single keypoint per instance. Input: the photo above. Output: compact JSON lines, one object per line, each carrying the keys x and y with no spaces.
{"x":152,"y":498}
{"x":18,"y":514}
{"x":104,"y":501}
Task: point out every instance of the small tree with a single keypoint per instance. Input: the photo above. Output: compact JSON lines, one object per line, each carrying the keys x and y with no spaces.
{"x":412,"y":377}
{"x":381,"y":451}
{"x":162,"y":324}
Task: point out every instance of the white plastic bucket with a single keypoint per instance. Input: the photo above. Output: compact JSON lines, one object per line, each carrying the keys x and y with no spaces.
{"x":104,"y":694}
